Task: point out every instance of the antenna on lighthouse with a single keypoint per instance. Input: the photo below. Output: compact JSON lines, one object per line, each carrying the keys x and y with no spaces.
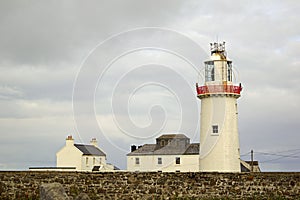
{"x":218,"y":48}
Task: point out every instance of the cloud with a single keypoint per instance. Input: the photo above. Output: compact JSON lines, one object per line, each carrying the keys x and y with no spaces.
{"x":43,"y":33}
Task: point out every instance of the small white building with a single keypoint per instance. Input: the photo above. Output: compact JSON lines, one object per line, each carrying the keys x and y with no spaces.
{"x":171,"y":153}
{"x":82,"y":157}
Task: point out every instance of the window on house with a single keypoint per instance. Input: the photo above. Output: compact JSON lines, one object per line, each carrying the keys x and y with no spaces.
{"x":162,"y":143}
{"x":86,"y":160}
{"x":177,"y":160}
{"x":215,"y":129}
{"x":159,"y":161}
{"x":137,"y":161}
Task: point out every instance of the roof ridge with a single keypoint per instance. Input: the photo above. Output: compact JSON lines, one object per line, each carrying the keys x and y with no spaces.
{"x":83,"y":144}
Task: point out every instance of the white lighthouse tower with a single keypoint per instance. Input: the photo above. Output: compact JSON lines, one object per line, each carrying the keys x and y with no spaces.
{"x":219,"y":138}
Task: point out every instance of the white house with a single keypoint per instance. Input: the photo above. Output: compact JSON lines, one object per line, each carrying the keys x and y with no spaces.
{"x":172,"y":152}
{"x":82,"y":157}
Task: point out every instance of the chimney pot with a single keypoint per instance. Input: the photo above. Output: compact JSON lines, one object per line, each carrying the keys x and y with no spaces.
{"x":133,"y":148}
{"x":69,"y":137}
{"x":69,"y":141}
{"x":94,"y":142}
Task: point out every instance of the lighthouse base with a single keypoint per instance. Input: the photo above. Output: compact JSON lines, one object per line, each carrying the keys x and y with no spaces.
{"x":219,"y":141}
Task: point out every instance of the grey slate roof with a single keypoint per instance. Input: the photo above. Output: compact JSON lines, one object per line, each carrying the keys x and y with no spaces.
{"x":151,"y":149}
{"x":89,"y":150}
{"x":246,"y":166}
{"x":192,"y":149}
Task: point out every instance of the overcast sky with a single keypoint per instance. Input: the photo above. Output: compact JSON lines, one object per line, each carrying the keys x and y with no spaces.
{"x":94,"y":69}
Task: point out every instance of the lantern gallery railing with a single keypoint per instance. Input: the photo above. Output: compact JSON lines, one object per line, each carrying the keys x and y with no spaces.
{"x":215,"y":89}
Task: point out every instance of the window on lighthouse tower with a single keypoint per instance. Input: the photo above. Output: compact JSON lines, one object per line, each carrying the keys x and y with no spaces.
{"x":209,"y":71}
{"x":229,"y":72}
{"x":215,"y":129}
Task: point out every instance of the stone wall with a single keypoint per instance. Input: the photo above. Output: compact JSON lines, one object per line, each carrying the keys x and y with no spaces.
{"x":127,"y":185}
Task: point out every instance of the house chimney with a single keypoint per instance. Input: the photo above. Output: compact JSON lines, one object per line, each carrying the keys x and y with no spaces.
{"x":94,"y":142}
{"x":69,"y":141}
{"x":133,"y":148}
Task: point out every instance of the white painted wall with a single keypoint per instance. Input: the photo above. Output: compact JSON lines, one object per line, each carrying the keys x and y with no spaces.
{"x":89,"y":161}
{"x":69,"y":156}
{"x":188,"y":163}
{"x":219,"y":152}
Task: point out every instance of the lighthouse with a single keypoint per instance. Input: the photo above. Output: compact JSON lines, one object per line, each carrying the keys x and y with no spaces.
{"x":219,"y":138}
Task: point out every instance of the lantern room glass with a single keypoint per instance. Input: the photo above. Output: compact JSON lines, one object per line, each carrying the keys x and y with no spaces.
{"x":209,"y":71}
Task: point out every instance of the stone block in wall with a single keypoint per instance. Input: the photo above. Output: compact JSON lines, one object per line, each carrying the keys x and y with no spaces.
{"x":82,"y":196}
{"x":53,"y":191}
{"x":2,"y":188}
